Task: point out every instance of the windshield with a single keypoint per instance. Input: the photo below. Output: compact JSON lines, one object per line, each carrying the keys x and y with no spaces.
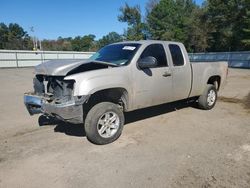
{"x":119,"y":54}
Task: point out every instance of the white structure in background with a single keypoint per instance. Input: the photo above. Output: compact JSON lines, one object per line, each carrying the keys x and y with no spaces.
{"x":20,"y":58}
{"x":234,"y":59}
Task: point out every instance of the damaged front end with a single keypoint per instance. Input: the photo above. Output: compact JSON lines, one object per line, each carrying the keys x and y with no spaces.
{"x":53,"y":96}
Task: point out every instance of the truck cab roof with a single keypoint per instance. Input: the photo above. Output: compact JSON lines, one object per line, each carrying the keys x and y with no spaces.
{"x":148,"y":42}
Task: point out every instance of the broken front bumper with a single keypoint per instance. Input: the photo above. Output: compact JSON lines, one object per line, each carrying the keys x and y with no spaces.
{"x":70,"y":111}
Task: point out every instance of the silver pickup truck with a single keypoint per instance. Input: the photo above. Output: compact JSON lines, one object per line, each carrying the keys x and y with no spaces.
{"x":121,"y":77}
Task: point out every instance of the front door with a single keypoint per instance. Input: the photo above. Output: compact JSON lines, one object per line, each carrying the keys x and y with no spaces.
{"x":153,"y":86}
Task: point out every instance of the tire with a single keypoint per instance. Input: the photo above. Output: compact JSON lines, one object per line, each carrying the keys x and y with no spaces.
{"x":104,"y":123}
{"x":209,"y":97}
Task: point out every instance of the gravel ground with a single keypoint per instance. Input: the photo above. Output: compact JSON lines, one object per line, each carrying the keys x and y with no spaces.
{"x":173,"y":145}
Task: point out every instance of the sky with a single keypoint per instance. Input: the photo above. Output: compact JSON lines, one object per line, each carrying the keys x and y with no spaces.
{"x":67,"y":18}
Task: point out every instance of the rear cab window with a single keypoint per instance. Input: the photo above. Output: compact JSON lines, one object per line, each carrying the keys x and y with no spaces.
{"x":176,"y":54}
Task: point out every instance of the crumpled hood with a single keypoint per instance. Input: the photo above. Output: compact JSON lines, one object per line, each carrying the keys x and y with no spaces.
{"x":59,"y":67}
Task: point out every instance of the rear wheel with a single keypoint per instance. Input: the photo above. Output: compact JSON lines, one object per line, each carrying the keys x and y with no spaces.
{"x":104,"y":123}
{"x":208,"y":99}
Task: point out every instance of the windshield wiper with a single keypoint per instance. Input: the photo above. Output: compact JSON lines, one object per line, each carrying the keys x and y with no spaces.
{"x":105,"y":63}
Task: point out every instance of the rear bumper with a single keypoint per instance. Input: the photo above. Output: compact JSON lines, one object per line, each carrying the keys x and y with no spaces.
{"x":70,"y":111}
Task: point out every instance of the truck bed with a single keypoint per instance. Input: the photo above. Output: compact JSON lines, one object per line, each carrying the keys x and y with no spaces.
{"x":203,"y":70}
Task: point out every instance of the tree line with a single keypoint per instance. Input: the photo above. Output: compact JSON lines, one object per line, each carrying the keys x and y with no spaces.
{"x":216,"y":25}
{"x":13,"y":37}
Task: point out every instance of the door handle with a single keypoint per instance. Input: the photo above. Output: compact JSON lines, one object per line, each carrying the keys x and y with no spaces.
{"x":166,"y":74}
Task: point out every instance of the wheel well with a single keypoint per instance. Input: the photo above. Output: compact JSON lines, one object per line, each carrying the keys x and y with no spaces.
{"x":115,"y":95}
{"x":215,"y":80}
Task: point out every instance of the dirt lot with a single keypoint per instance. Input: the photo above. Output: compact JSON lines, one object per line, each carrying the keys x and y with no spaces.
{"x":166,"y":146}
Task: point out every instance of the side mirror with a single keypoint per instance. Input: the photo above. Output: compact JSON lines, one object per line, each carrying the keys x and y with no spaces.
{"x":147,"y":62}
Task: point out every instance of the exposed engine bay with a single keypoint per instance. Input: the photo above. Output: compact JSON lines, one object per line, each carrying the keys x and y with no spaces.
{"x":53,"y":88}
{"x":53,"y":96}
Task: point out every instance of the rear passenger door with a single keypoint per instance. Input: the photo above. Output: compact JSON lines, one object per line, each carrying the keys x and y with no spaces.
{"x":181,"y":73}
{"x":153,"y":85}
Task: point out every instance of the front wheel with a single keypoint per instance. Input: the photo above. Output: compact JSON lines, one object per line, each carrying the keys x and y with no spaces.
{"x":208,"y":99}
{"x":104,"y":123}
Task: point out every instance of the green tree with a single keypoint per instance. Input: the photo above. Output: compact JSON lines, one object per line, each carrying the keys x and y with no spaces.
{"x":4,"y":31}
{"x":220,"y":20}
{"x":242,"y":28}
{"x":111,"y":37}
{"x":61,"y":44}
{"x":85,"y":43}
{"x":163,"y":21}
{"x":48,"y":45}
{"x":132,"y":16}
{"x":197,"y":30}
{"x":246,"y":31}
{"x":14,"y":37}
{"x":229,"y":24}
{"x":88,"y":42}
{"x":64,"y":44}
{"x":150,"y":5}
{"x":178,"y":20}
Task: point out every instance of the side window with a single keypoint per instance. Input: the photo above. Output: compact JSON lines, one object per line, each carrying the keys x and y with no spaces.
{"x":157,"y":51}
{"x":176,"y":54}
